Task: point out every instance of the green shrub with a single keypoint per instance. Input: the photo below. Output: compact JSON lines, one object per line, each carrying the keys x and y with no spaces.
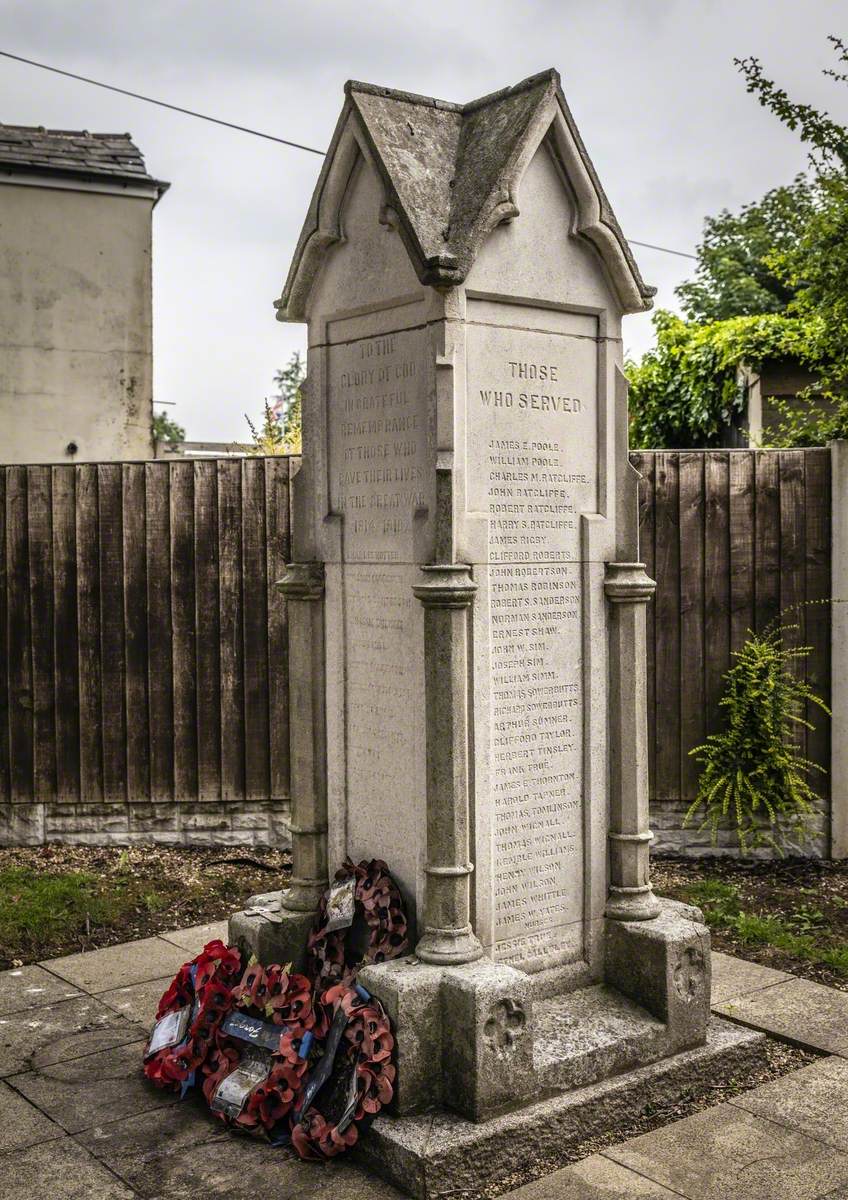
{"x":753,"y":777}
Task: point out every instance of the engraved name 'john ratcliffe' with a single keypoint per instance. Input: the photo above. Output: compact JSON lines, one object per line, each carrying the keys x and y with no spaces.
{"x":536,"y":401}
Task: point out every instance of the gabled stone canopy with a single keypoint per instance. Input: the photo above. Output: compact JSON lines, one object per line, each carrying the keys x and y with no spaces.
{"x":451,"y":173}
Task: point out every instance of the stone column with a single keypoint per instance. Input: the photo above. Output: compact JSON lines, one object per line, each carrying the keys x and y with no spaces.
{"x":447,"y":592}
{"x":303,"y":587}
{"x":629,"y":589}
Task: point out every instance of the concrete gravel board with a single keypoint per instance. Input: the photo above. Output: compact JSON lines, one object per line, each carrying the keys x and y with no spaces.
{"x":92,"y":1090}
{"x":22,"y":1125}
{"x":59,"y":1171}
{"x":595,"y":1178}
{"x":803,"y":1012}
{"x":725,"y":1153}
{"x":734,"y":977}
{"x":31,"y":987}
{"x":118,"y":966}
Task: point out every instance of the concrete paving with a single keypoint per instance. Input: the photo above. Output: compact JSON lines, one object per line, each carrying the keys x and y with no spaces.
{"x":81,"y":1124}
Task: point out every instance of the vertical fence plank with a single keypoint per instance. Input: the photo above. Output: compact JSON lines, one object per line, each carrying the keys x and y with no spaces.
{"x":792,"y":559}
{"x":40,"y":545}
{"x":88,"y":633}
{"x":184,"y":622}
{"x":817,"y":537}
{"x":20,"y":639}
{"x":254,"y":593}
{"x":231,"y":626}
{"x":135,"y":631}
{"x":160,"y":702}
{"x":716,"y":582}
{"x":277,"y":524}
{"x":65,"y":648}
{"x":5,"y":758}
{"x":207,"y":637}
{"x":767,"y":539}
{"x":692,"y":654}
{"x":112,"y":661}
{"x":741,"y":523}
{"x":644,"y":464}
{"x":667,"y":601}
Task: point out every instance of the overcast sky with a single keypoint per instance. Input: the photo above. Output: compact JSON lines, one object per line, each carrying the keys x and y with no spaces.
{"x":651,"y":83}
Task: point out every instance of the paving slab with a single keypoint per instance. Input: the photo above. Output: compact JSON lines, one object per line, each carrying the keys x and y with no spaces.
{"x":806,"y":1013}
{"x":32,"y":987}
{"x":193,"y":940}
{"x":119,"y":966}
{"x":725,"y":1153}
{"x":22,"y":1124}
{"x":184,"y":1152}
{"x":813,"y":1100}
{"x":595,"y":1178}
{"x":138,"y":1002}
{"x":39,"y":1036}
{"x":732,"y":977}
{"x":89,"y":1091}
{"x":58,"y":1171}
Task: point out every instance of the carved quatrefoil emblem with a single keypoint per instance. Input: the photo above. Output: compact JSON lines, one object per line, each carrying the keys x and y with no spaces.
{"x":504,"y":1025}
{"x":689,"y":974}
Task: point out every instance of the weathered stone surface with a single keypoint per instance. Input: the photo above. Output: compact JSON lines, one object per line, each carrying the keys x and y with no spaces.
{"x":410,"y":993}
{"x":271,"y":933}
{"x":735,"y":977}
{"x":138,"y":1002}
{"x":87,"y":1091}
{"x":440,"y":1155}
{"x":813,"y":1100}
{"x":725,"y":1153}
{"x":55,"y":1032}
{"x":22,"y":1124}
{"x":120,"y":966}
{"x":61,"y":1170}
{"x":487,"y":1050}
{"x":806,"y":1013}
{"x":32,"y":987}
{"x":664,"y":965}
{"x":595,"y":1178}
{"x":591,"y":1034}
{"x":193,"y":940}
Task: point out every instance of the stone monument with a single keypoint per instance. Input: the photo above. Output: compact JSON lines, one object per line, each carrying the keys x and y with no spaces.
{"x":467,"y":630}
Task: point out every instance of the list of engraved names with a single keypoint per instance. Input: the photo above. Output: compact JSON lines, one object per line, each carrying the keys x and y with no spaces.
{"x":532,"y":407}
{"x":379,"y":438}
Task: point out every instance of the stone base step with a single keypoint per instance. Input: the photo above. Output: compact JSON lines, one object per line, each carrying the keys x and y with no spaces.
{"x":444,"y":1155}
{"x":590,"y":1034}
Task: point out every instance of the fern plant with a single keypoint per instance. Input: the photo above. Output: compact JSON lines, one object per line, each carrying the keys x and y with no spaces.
{"x":753,"y":776}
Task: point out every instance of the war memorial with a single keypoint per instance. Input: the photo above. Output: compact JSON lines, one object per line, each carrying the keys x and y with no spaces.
{"x":466,"y":613}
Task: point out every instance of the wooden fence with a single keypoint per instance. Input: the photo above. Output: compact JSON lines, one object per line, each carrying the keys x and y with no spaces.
{"x":144,"y":660}
{"x":734,"y":539}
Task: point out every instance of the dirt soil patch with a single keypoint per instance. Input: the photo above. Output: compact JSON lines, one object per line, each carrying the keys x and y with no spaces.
{"x":790,"y":914}
{"x":57,"y":900}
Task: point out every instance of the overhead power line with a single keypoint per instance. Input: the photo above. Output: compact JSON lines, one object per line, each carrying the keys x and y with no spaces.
{"x":270,"y":137}
{"x":189,"y":112}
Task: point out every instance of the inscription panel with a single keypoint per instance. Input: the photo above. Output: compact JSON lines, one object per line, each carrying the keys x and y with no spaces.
{"x":380,"y":444}
{"x":532,"y":451}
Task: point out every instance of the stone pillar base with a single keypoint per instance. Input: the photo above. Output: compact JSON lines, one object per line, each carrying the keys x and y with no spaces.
{"x":664,"y":965}
{"x":271,"y":933}
{"x":464,"y":1034}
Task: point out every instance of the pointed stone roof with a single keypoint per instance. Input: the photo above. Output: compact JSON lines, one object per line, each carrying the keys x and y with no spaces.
{"x":451,"y":174}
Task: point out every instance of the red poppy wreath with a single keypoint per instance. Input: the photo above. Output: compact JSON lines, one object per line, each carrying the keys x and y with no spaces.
{"x":372,"y":930}
{"x":353,"y":1079}
{"x":255,"y":1069}
{"x":188,"y":1016}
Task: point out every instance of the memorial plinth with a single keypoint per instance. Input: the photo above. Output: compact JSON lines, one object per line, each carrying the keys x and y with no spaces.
{"x":467,"y":605}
